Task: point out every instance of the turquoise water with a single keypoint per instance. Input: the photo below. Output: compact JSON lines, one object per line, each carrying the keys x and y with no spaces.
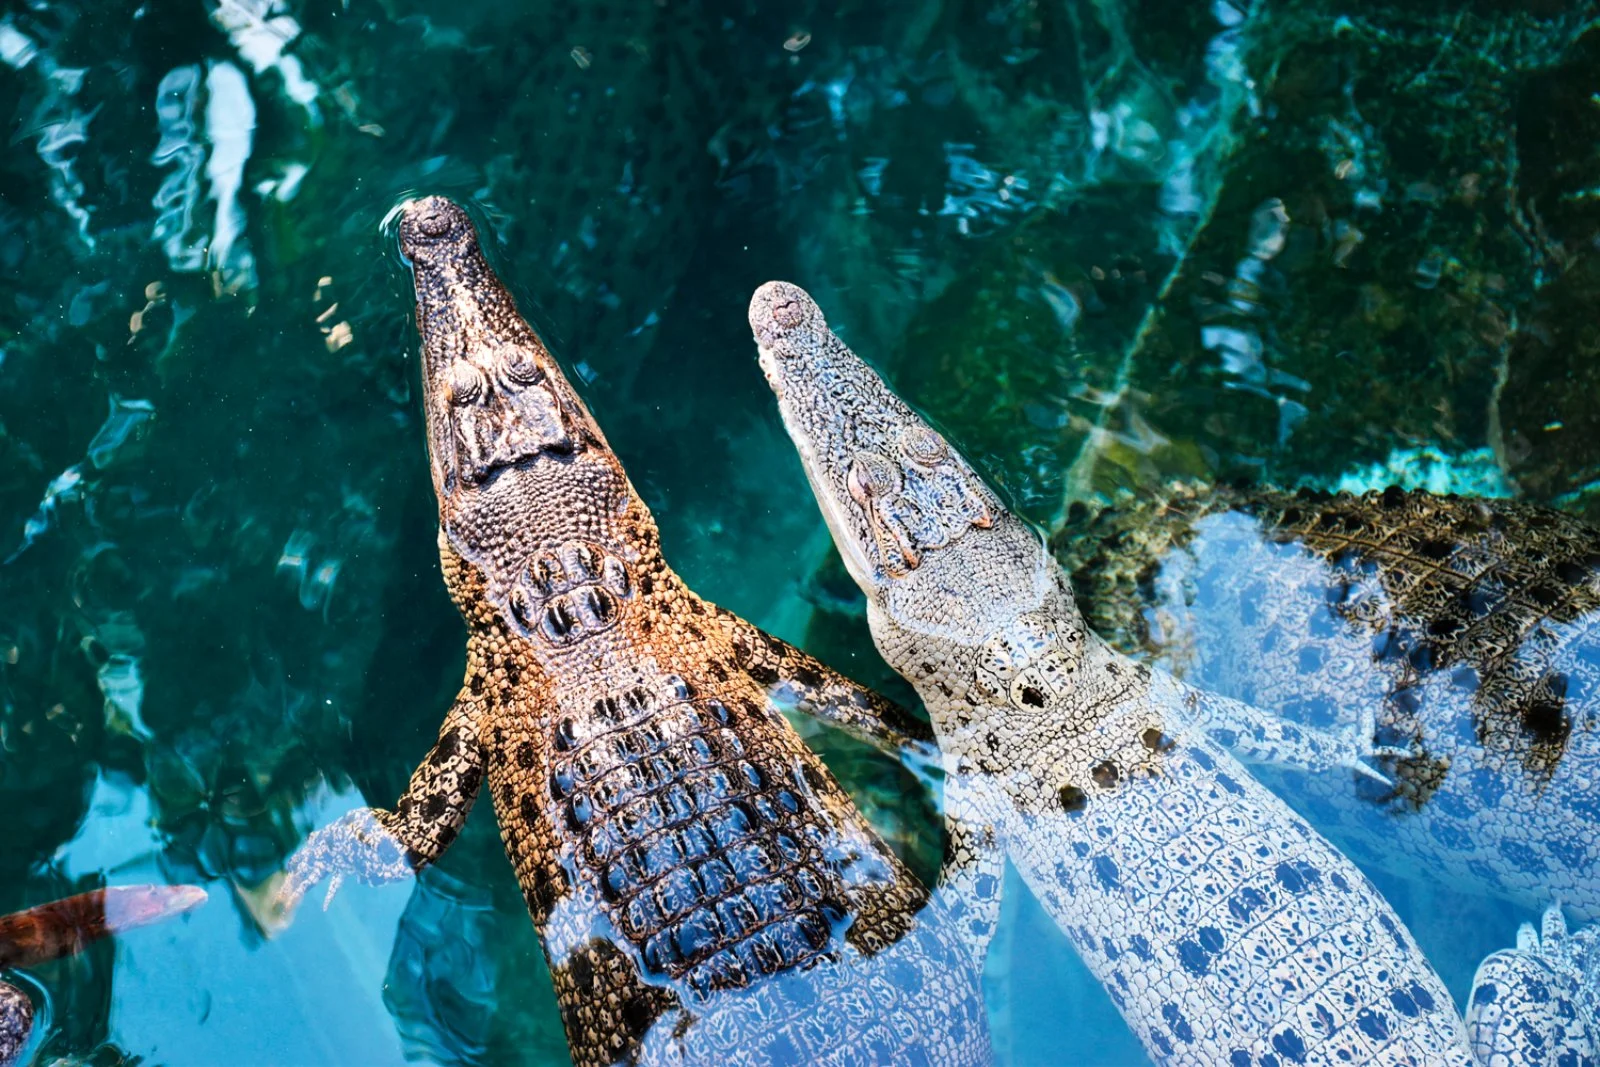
{"x":1102,"y":243}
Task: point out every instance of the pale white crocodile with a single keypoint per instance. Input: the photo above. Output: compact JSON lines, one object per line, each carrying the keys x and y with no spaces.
{"x":1225,"y":929}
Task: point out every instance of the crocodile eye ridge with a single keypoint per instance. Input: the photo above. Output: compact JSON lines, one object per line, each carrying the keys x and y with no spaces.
{"x":519,"y":366}
{"x":872,"y":476}
{"x":922,"y":445}
{"x":466,"y":382}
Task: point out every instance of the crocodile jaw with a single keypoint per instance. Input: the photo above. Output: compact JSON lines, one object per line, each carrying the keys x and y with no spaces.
{"x":843,"y":524}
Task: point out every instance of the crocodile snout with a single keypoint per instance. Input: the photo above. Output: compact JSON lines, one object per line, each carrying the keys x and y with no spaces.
{"x":432,"y":221}
{"x":785,"y":318}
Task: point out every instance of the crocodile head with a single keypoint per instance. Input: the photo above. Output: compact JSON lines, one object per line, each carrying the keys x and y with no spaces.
{"x":529,"y":492}
{"x":930,"y":544}
{"x":494,"y":396}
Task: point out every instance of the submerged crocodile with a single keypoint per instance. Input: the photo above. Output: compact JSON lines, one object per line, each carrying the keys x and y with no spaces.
{"x":64,"y":927}
{"x":704,"y":890}
{"x":1461,"y":634}
{"x":1225,"y":929}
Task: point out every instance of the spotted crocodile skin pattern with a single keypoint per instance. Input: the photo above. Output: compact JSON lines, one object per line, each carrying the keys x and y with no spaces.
{"x":16,"y":1023}
{"x":1535,"y":1005}
{"x":1226,"y":930}
{"x":704,"y":890}
{"x":63,"y":927}
{"x":1461,"y":633}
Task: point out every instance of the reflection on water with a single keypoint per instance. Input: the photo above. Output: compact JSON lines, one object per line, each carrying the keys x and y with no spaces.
{"x":222,"y":624}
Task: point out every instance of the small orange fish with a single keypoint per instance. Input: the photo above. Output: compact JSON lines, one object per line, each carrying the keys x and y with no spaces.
{"x":64,"y":927}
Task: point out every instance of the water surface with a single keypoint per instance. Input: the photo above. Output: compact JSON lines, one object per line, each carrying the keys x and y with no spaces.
{"x":1103,"y":244}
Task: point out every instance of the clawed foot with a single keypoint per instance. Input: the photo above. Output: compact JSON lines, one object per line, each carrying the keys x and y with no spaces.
{"x":1353,"y":747}
{"x":357,"y":844}
{"x":1540,"y":995}
{"x":1269,"y":739}
{"x":1361,"y":751}
{"x":1576,"y":955}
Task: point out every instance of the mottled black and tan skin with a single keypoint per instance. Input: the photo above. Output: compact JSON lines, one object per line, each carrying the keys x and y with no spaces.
{"x":1464,"y":633}
{"x":703,"y":888}
{"x":64,"y":927}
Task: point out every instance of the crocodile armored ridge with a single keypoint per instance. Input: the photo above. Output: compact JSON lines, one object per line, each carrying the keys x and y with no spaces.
{"x":1225,"y":929}
{"x":63,"y":927}
{"x":1459,"y":633}
{"x":704,"y":890}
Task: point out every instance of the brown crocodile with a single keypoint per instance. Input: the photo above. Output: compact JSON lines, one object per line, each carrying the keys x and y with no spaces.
{"x":703,"y":888}
{"x":1459,"y":634}
{"x":64,"y":927}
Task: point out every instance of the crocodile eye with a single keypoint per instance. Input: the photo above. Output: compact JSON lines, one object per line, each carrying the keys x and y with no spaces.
{"x":923,"y":446}
{"x":466,"y":382}
{"x":871,"y":476}
{"x":519,"y":365}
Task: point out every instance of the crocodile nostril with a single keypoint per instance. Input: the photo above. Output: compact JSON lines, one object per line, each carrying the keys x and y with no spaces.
{"x":433,"y":222}
{"x":788,"y":313}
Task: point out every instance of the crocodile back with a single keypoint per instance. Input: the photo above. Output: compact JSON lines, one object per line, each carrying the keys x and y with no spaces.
{"x":1463,"y":630}
{"x":1226,"y":930}
{"x":702,"y":884}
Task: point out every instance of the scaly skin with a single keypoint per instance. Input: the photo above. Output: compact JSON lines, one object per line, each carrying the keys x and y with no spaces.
{"x":1224,"y":928}
{"x":64,"y":927}
{"x":704,"y":890}
{"x":1534,"y":1005}
{"x":1460,"y":631}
